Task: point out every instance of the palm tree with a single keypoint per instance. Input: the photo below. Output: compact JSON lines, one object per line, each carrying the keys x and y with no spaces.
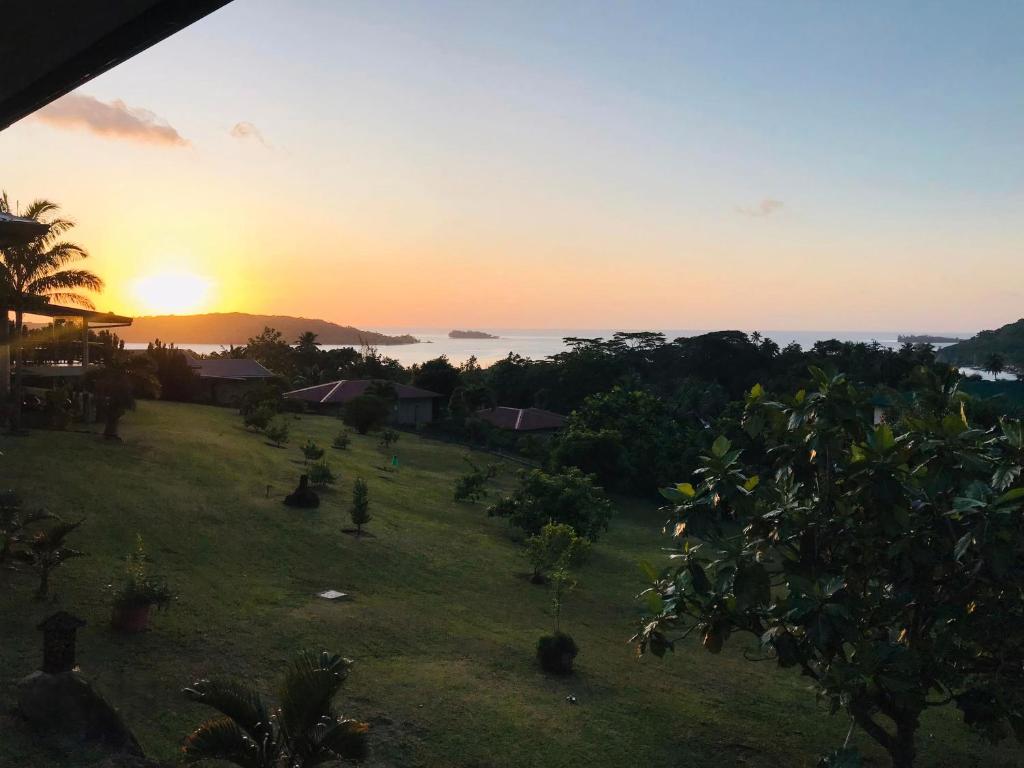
{"x":39,"y":272}
{"x":307,"y":343}
{"x":995,"y":364}
{"x":305,"y":730}
{"x":116,"y":386}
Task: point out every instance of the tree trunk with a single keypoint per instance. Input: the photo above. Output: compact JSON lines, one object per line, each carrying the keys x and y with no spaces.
{"x":902,"y":750}
{"x":110,"y":424}
{"x":900,"y":745}
{"x":44,"y":583}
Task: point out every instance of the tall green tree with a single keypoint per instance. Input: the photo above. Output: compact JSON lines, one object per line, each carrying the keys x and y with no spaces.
{"x":884,"y":563}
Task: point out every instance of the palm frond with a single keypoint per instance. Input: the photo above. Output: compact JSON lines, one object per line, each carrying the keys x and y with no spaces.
{"x":331,"y":740}
{"x":221,"y":739}
{"x":238,"y":702}
{"x":311,"y":682}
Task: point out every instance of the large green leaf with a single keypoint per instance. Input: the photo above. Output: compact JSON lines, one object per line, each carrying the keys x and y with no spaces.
{"x":752,"y":586}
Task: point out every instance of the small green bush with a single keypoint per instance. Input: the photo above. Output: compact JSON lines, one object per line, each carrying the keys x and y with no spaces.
{"x":259,"y":417}
{"x":388,"y":438}
{"x":320,"y":475}
{"x":342,"y":441}
{"x":312,"y":451}
{"x":556,"y":653}
{"x":277,"y":432}
{"x":473,"y":486}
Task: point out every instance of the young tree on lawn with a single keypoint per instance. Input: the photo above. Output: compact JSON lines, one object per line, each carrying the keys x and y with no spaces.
{"x":360,"y":511}
{"x":884,"y":563}
{"x":555,"y":548}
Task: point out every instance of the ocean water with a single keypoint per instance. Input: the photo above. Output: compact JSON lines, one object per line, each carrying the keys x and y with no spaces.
{"x":539,"y":344}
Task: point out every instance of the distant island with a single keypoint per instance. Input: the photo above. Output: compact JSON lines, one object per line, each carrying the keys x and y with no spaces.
{"x":925,"y":338}
{"x":239,"y":327}
{"x":471,"y":335}
{"x":1007,"y":342}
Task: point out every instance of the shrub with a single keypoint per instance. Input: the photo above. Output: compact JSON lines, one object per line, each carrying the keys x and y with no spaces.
{"x":360,"y":511}
{"x":473,"y":485}
{"x":259,"y":417}
{"x":277,"y":432}
{"x":138,"y":589}
{"x":556,"y":547}
{"x":312,"y":452}
{"x":15,"y":523}
{"x":569,"y":497}
{"x":556,"y":653}
{"x":320,"y":475}
{"x":366,"y":412}
{"x":388,"y":438}
{"x":342,"y":441}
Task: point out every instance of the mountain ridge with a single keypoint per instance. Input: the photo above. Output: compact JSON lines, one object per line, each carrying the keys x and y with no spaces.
{"x":239,"y":327}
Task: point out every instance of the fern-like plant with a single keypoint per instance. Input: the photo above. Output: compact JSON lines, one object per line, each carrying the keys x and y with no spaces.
{"x":303,"y":731}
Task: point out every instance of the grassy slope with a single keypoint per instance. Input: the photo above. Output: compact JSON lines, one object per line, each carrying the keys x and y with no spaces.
{"x":442,"y":628}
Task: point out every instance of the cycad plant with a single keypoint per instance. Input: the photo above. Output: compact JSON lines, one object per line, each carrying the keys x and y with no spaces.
{"x":305,"y":730}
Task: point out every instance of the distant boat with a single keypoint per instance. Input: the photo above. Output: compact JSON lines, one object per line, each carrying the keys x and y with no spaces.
{"x":471,"y":335}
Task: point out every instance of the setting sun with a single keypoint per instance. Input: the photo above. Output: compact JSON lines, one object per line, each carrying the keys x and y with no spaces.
{"x":172,"y":292}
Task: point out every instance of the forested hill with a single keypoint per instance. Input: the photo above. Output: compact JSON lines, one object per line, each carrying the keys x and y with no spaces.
{"x":1007,"y":341}
{"x":239,"y":327}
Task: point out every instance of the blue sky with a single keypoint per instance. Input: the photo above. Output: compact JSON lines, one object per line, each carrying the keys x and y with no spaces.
{"x":669,"y":164}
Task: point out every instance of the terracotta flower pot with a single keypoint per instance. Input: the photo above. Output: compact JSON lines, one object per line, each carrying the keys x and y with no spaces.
{"x":132,"y":619}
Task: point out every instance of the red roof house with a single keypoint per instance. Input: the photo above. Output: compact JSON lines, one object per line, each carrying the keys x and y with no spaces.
{"x":413,"y":407}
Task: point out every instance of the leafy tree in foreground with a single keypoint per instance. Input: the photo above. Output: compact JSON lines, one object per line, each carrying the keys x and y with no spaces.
{"x":884,"y":563}
{"x":303,"y":731}
{"x":360,"y":511}
{"x":366,"y":412}
{"x":569,"y":497}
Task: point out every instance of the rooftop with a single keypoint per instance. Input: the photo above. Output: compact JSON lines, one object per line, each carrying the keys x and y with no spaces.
{"x":522,"y":419}
{"x":346,"y":389}
{"x":227,"y":367}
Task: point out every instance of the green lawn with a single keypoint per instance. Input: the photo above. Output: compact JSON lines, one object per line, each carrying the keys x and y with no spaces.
{"x":442,"y":627}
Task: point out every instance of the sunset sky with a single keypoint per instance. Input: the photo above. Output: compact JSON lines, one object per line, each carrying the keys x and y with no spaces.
{"x":555,"y":165}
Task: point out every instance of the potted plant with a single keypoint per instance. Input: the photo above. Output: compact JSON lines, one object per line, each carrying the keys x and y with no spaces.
{"x":138,"y":593}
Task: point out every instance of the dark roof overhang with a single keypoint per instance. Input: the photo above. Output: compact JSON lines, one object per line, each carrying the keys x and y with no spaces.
{"x":50,"y":48}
